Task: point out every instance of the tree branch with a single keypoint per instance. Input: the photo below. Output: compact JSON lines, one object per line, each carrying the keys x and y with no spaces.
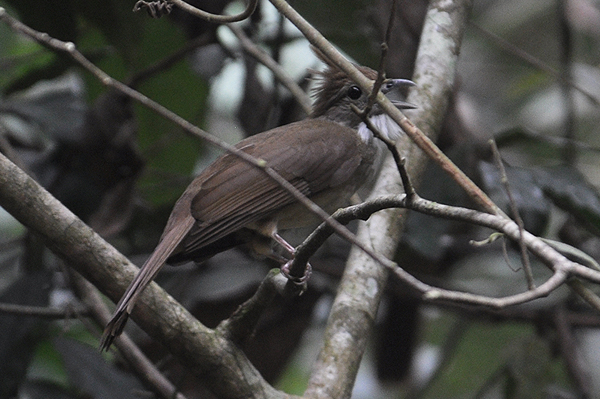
{"x":515,"y":213}
{"x":206,"y":353}
{"x":221,"y":19}
{"x":563,"y":268}
{"x":261,"y":56}
{"x":70,"y":49}
{"x":211,"y":354}
{"x":65,"y":312}
{"x":435,"y":76}
{"x":364,"y":280}
{"x":141,"y":365}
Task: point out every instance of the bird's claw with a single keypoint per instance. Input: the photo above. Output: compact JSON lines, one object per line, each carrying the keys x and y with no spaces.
{"x":285,"y":270}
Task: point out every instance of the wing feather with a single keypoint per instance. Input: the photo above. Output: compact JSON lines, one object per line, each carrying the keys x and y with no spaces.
{"x":231,"y":194}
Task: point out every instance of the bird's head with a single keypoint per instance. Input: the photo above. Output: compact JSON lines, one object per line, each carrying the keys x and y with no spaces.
{"x":335,"y":94}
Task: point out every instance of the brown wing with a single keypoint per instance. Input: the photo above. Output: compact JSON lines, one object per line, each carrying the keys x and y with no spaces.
{"x":231,"y":193}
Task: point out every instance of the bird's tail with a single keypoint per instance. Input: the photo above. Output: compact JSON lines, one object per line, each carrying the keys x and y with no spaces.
{"x":149,"y":270}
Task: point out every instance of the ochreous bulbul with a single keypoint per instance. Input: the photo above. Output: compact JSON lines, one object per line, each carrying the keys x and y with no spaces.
{"x":327,"y":157}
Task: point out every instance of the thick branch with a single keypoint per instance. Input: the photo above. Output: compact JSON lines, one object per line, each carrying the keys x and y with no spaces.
{"x":355,"y":307}
{"x":141,"y":365}
{"x":208,"y":354}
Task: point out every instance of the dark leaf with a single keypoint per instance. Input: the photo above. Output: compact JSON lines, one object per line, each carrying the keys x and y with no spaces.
{"x":527,"y":194}
{"x":19,"y":334}
{"x":89,"y":372}
{"x":53,"y":108}
{"x":570,"y":191}
{"x":57,"y":18}
{"x":430,"y":237}
{"x":256,"y":107}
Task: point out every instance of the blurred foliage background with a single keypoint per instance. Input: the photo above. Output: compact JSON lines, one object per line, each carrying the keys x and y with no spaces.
{"x":528,"y":76}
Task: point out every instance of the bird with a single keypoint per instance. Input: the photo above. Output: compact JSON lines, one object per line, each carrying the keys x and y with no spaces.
{"x":327,"y":157}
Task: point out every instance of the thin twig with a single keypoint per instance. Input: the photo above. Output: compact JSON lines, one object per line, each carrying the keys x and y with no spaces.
{"x":515,"y":213}
{"x":506,"y":257}
{"x":364,"y":113}
{"x":391,"y":146}
{"x":142,"y":366}
{"x":71,"y":50}
{"x":221,"y":19}
{"x":382,"y":60}
{"x":66,"y":312}
{"x":569,"y":153}
{"x":372,"y":99}
{"x":261,"y":56}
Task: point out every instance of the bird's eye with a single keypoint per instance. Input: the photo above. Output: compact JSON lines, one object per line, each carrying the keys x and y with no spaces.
{"x":354,"y":92}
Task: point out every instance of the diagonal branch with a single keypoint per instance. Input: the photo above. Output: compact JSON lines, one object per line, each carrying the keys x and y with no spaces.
{"x":163,"y":318}
{"x":221,"y":19}
{"x":70,"y":49}
{"x":261,"y":56}
{"x":205,"y":352}
{"x":438,"y":17}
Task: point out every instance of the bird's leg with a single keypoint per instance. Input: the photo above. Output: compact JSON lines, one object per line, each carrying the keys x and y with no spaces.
{"x":285,"y":268}
{"x":286,"y":245}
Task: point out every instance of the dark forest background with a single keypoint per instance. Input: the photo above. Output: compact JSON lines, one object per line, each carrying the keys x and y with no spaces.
{"x":528,"y":76}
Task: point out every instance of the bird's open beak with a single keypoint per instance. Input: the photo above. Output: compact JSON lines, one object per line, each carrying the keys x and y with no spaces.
{"x":392,"y":88}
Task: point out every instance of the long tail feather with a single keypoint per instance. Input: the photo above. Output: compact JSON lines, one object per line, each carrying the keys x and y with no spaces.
{"x":149,"y":270}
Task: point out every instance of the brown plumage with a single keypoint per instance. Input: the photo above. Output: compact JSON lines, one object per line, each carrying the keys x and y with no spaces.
{"x":232,"y":202}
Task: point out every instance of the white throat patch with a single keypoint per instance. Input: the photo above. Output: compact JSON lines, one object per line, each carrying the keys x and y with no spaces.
{"x":386,"y":126}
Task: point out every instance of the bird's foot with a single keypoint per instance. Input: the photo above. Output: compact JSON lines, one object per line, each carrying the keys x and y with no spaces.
{"x":285,"y":270}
